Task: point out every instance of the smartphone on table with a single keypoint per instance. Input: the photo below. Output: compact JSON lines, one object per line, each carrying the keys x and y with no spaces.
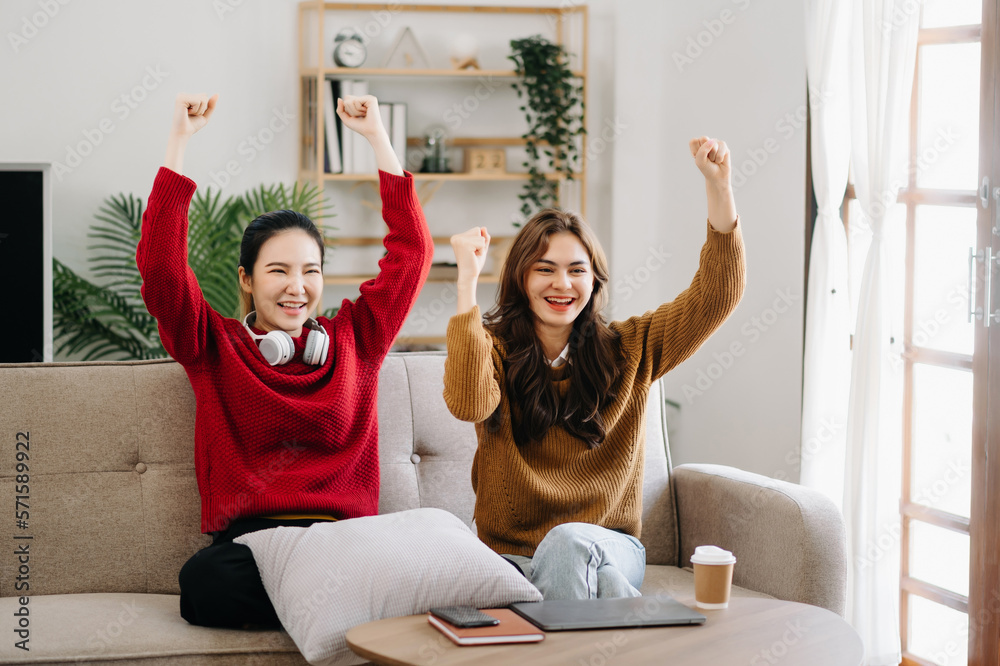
{"x":464,"y":617}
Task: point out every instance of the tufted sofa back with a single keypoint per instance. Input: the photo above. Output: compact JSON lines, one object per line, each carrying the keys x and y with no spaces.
{"x":112,"y":498}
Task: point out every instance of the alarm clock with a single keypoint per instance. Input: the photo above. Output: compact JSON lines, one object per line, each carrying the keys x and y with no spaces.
{"x":350,"y":50}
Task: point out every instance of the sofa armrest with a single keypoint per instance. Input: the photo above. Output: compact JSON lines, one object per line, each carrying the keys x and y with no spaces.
{"x":789,"y":540}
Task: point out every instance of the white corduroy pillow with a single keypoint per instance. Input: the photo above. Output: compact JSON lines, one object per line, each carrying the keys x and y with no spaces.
{"x":329,"y":577}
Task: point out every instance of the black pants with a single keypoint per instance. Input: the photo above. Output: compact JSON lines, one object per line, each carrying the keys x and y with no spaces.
{"x":220,"y":584}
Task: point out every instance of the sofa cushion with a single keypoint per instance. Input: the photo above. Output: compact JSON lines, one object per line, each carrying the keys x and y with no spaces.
{"x":113,"y":498}
{"x":425,"y":453}
{"x":109,"y":628}
{"x":330,"y":577}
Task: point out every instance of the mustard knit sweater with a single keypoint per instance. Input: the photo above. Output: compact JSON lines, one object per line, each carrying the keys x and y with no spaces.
{"x":523,"y":492}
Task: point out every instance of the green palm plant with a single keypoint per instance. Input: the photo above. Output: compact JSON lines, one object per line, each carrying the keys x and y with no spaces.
{"x":108,"y":319}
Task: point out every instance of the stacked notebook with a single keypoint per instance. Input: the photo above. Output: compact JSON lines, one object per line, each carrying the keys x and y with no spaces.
{"x":512,"y":629}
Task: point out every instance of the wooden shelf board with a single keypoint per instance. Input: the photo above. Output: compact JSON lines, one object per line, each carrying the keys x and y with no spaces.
{"x":468,"y":177}
{"x":461,"y":141}
{"x":372,"y":241}
{"x":485,"y":9}
{"x":408,"y":72}
{"x":358,"y":279}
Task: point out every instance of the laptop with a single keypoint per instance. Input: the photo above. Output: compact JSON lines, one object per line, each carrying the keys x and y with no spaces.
{"x":570,"y":614}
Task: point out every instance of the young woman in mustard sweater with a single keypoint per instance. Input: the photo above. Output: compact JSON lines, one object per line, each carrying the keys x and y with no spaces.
{"x":558,"y":395}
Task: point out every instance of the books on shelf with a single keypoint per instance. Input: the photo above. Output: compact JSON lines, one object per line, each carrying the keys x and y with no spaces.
{"x":512,"y":629}
{"x":397,"y":133}
{"x":332,"y":128}
{"x":364,"y":160}
{"x":348,"y":152}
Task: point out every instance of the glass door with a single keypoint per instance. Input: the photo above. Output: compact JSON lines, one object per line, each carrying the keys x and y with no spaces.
{"x":949,"y":595}
{"x":984,"y":597}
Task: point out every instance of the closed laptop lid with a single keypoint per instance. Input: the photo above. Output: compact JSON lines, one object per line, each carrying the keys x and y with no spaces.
{"x":569,"y":614}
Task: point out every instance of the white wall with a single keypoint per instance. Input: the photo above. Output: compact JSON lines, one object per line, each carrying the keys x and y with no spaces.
{"x":63,"y":79}
{"x":69,"y":76}
{"x":100,"y":78}
{"x":733,"y":69}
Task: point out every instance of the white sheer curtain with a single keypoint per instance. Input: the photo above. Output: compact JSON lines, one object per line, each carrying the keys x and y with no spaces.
{"x":883,"y":53}
{"x":827,"y":357}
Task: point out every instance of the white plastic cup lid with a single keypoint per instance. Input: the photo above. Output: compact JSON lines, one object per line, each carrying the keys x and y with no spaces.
{"x":712,"y":555}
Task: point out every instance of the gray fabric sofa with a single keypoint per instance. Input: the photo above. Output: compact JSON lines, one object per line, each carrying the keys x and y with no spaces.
{"x":112,"y":511}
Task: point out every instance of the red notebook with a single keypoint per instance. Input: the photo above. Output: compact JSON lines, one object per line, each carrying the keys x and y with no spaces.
{"x":512,"y":629}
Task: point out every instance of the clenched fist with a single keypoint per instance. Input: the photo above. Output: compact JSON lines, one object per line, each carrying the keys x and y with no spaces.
{"x":191,"y":113}
{"x":712,"y":157}
{"x":470,"y":252}
{"x":361,"y":114}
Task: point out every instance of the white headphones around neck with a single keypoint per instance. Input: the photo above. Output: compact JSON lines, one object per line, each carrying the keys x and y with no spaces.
{"x":278,"y":346}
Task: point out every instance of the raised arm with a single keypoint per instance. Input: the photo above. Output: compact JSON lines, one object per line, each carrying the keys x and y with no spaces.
{"x":712,"y":158}
{"x":384,"y":303}
{"x":471,"y":381}
{"x":191,"y":113}
{"x":675,"y":330}
{"x":170,"y":289}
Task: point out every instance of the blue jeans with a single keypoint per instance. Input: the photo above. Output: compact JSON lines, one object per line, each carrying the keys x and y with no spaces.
{"x":584,"y":561}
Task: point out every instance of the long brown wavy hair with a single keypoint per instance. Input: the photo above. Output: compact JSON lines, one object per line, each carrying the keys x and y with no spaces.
{"x":594,"y":348}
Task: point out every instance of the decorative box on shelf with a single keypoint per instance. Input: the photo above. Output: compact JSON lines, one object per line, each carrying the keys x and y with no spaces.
{"x":485,"y":160}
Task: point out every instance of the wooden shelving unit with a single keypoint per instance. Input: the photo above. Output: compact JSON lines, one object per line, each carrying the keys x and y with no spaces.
{"x":315,"y":69}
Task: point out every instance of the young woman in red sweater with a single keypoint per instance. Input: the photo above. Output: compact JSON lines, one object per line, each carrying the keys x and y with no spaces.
{"x":286,"y":429}
{"x":558,"y":395}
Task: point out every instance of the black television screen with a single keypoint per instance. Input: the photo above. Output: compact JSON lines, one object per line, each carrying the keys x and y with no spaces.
{"x":26,"y":263}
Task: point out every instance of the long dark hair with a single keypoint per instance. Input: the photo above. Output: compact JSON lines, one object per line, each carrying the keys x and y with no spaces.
{"x":594,"y":348}
{"x":259,"y":231}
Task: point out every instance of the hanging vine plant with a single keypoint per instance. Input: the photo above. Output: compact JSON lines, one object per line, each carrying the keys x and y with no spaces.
{"x":552,"y":99}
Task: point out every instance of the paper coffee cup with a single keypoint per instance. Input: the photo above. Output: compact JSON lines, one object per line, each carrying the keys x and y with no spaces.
{"x":713,"y":576}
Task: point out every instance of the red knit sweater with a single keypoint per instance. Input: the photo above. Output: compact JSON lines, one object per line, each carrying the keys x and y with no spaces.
{"x":291,"y":438}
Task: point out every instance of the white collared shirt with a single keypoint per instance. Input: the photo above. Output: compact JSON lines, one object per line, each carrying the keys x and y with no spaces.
{"x":560,"y":360}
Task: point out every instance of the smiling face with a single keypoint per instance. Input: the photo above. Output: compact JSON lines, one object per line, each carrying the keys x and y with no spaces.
{"x":287,"y":281}
{"x":559,"y":285}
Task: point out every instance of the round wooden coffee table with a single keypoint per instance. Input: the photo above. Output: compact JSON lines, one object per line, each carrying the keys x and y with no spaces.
{"x":751,"y":631}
